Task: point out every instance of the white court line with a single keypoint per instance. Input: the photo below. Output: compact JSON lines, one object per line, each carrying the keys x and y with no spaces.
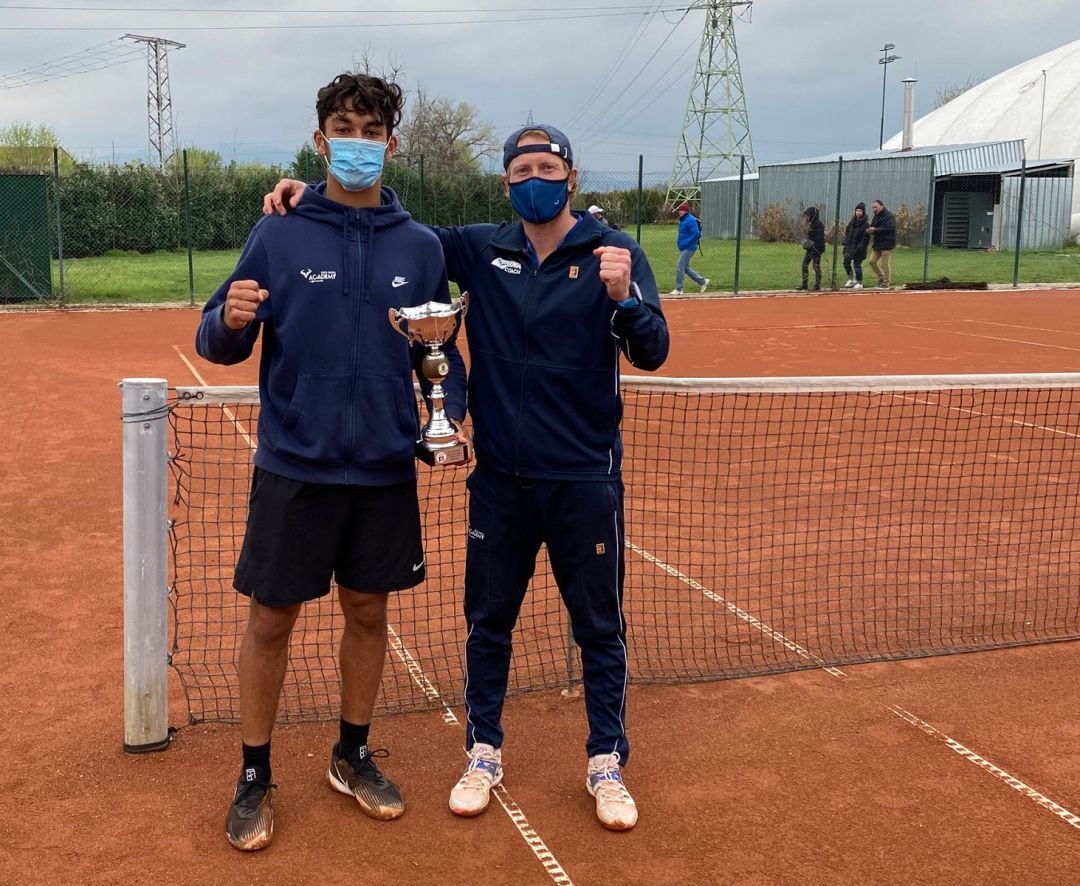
{"x":544,"y":855}
{"x":731,"y":607}
{"x":1013,"y":421}
{"x":528,"y":834}
{"x":1041,"y":799}
{"x":1015,"y":341}
{"x":225,"y":409}
{"x":1018,"y":326}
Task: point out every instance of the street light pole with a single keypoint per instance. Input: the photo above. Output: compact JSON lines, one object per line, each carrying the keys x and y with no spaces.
{"x":884,"y":61}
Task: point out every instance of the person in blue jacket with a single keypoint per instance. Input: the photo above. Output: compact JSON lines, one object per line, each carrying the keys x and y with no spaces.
{"x":687,"y":240}
{"x":557,"y":299}
{"x":813,"y":248}
{"x":334,"y":487}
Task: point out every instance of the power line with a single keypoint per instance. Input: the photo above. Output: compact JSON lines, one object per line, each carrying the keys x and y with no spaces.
{"x":339,"y":26}
{"x":106,"y":55}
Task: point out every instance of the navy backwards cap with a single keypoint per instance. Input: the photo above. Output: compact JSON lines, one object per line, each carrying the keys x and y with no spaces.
{"x":558,"y":144}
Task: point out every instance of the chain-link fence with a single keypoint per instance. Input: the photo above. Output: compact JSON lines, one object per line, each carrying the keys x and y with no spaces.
{"x":77,"y":233}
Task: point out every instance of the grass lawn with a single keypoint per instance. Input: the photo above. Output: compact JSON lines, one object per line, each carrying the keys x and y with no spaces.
{"x":163,"y":276}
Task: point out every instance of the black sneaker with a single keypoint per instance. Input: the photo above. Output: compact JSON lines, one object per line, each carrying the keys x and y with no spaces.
{"x":358,"y":776}
{"x":250,"y":822}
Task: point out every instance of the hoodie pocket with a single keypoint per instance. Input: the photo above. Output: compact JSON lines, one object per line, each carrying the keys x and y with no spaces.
{"x":314,"y":426}
{"x":386,"y":420}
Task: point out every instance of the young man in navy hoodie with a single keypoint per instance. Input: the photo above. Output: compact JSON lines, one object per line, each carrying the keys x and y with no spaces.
{"x":334,"y":487}
{"x":556,"y":298}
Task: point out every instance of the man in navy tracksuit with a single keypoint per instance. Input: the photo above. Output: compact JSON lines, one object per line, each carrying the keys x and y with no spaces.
{"x":334,"y":488}
{"x":555,"y":299}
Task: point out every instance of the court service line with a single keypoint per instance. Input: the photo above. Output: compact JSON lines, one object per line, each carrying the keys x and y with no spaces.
{"x":225,"y":409}
{"x":1040,"y":799}
{"x":1013,"y":421}
{"x":1015,"y":341}
{"x":543,"y":854}
{"x":1018,"y":326}
{"x":755,"y":623}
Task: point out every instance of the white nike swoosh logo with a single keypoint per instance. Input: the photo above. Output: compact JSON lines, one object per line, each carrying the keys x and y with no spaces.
{"x":397,"y":283}
{"x":416,"y":568}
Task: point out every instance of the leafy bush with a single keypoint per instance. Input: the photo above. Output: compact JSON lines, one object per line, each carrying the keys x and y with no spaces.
{"x":910,"y":225}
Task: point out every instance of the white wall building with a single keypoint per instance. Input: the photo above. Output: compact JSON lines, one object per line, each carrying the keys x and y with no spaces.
{"x":1037,"y":101}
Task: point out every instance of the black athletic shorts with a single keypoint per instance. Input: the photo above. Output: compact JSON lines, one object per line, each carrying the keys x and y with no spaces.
{"x":300,"y":535}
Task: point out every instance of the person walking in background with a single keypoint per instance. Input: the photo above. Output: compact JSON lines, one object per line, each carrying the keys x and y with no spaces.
{"x":813,"y":247}
{"x":333,"y":493}
{"x":687,"y":240}
{"x":557,"y":300}
{"x":856,"y":241}
{"x":597,"y":213}
{"x":883,"y":229}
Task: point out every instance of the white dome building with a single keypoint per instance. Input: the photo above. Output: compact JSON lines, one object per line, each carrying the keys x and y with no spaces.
{"x":1020,"y":103}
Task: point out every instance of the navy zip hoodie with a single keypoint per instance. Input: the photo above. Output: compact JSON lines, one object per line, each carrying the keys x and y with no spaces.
{"x":544,"y":345}
{"x":335,"y":379}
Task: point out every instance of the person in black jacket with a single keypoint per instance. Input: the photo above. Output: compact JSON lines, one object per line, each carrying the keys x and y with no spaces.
{"x":813,"y":247}
{"x":883,"y":227}
{"x":557,"y":300}
{"x":856,"y":240}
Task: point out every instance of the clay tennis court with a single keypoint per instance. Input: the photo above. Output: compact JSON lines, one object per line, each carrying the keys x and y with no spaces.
{"x":956,"y":769}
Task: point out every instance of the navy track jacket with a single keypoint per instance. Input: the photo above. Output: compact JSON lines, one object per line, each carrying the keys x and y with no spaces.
{"x":335,"y":380}
{"x":544,"y":345}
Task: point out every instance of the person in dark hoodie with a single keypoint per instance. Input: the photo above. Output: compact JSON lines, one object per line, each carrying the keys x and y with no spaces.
{"x":856,"y":239}
{"x":334,"y":487}
{"x":813,"y":247}
{"x":883,"y":228}
{"x":557,"y":298}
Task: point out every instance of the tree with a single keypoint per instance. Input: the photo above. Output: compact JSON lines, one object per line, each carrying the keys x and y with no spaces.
{"x":307,"y":164}
{"x":952,"y":90}
{"x":22,"y":134}
{"x":447,"y":135}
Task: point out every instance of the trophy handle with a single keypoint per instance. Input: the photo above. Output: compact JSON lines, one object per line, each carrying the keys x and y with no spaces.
{"x":395,"y":321}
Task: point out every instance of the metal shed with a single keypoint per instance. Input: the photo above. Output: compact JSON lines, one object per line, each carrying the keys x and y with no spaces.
{"x":967,"y":193}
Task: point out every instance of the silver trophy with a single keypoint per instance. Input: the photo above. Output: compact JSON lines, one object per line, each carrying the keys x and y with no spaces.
{"x":430,"y":325}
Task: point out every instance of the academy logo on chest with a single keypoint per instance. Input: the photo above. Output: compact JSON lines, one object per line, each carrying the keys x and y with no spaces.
{"x":317,"y":276}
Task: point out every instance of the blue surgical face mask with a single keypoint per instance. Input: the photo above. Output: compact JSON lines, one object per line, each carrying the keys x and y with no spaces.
{"x":539,"y":200}
{"x":356,"y":163}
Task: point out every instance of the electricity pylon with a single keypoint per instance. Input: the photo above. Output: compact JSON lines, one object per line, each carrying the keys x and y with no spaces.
{"x":159,"y":113}
{"x":716,"y":128}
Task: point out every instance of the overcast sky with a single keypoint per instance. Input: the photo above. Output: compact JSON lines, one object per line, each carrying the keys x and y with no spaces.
{"x":613,"y":76}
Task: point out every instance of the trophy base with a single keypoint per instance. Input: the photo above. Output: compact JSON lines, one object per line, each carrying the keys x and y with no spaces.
{"x":442,"y":456}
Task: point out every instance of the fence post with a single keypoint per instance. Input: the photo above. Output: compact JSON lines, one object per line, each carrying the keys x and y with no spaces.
{"x":929,"y":224}
{"x":1019,"y":222}
{"x":145,"y":457}
{"x":572,"y":676}
{"x":738,"y":224}
{"x":187,"y":233}
{"x":420,"y":218}
{"x":836,"y":220}
{"x":59,"y":223}
{"x":640,"y":193}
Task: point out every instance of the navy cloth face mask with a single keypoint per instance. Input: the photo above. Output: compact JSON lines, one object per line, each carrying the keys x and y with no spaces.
{"x":356,"y":163}
{"x":539,"y":200}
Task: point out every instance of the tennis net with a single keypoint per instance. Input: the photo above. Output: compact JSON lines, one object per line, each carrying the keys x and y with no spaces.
{"x":771,"y":525}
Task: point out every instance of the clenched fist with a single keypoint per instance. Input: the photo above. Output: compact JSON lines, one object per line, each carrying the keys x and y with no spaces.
{"x":241,"y":302}
{"x":614,"y":271}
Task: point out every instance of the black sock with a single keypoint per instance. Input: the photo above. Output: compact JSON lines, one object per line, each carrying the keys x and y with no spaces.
{"x":352,"y":737}
{"x":256,"y":757}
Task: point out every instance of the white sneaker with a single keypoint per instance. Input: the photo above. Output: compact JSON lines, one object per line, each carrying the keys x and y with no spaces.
{"x":675,"y":292}
{"x":705,"y":285}
{"x":850,"y":284}
{"x":614,"y":806}
{"x":857,"y":286}
{"x":472,"y":793}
